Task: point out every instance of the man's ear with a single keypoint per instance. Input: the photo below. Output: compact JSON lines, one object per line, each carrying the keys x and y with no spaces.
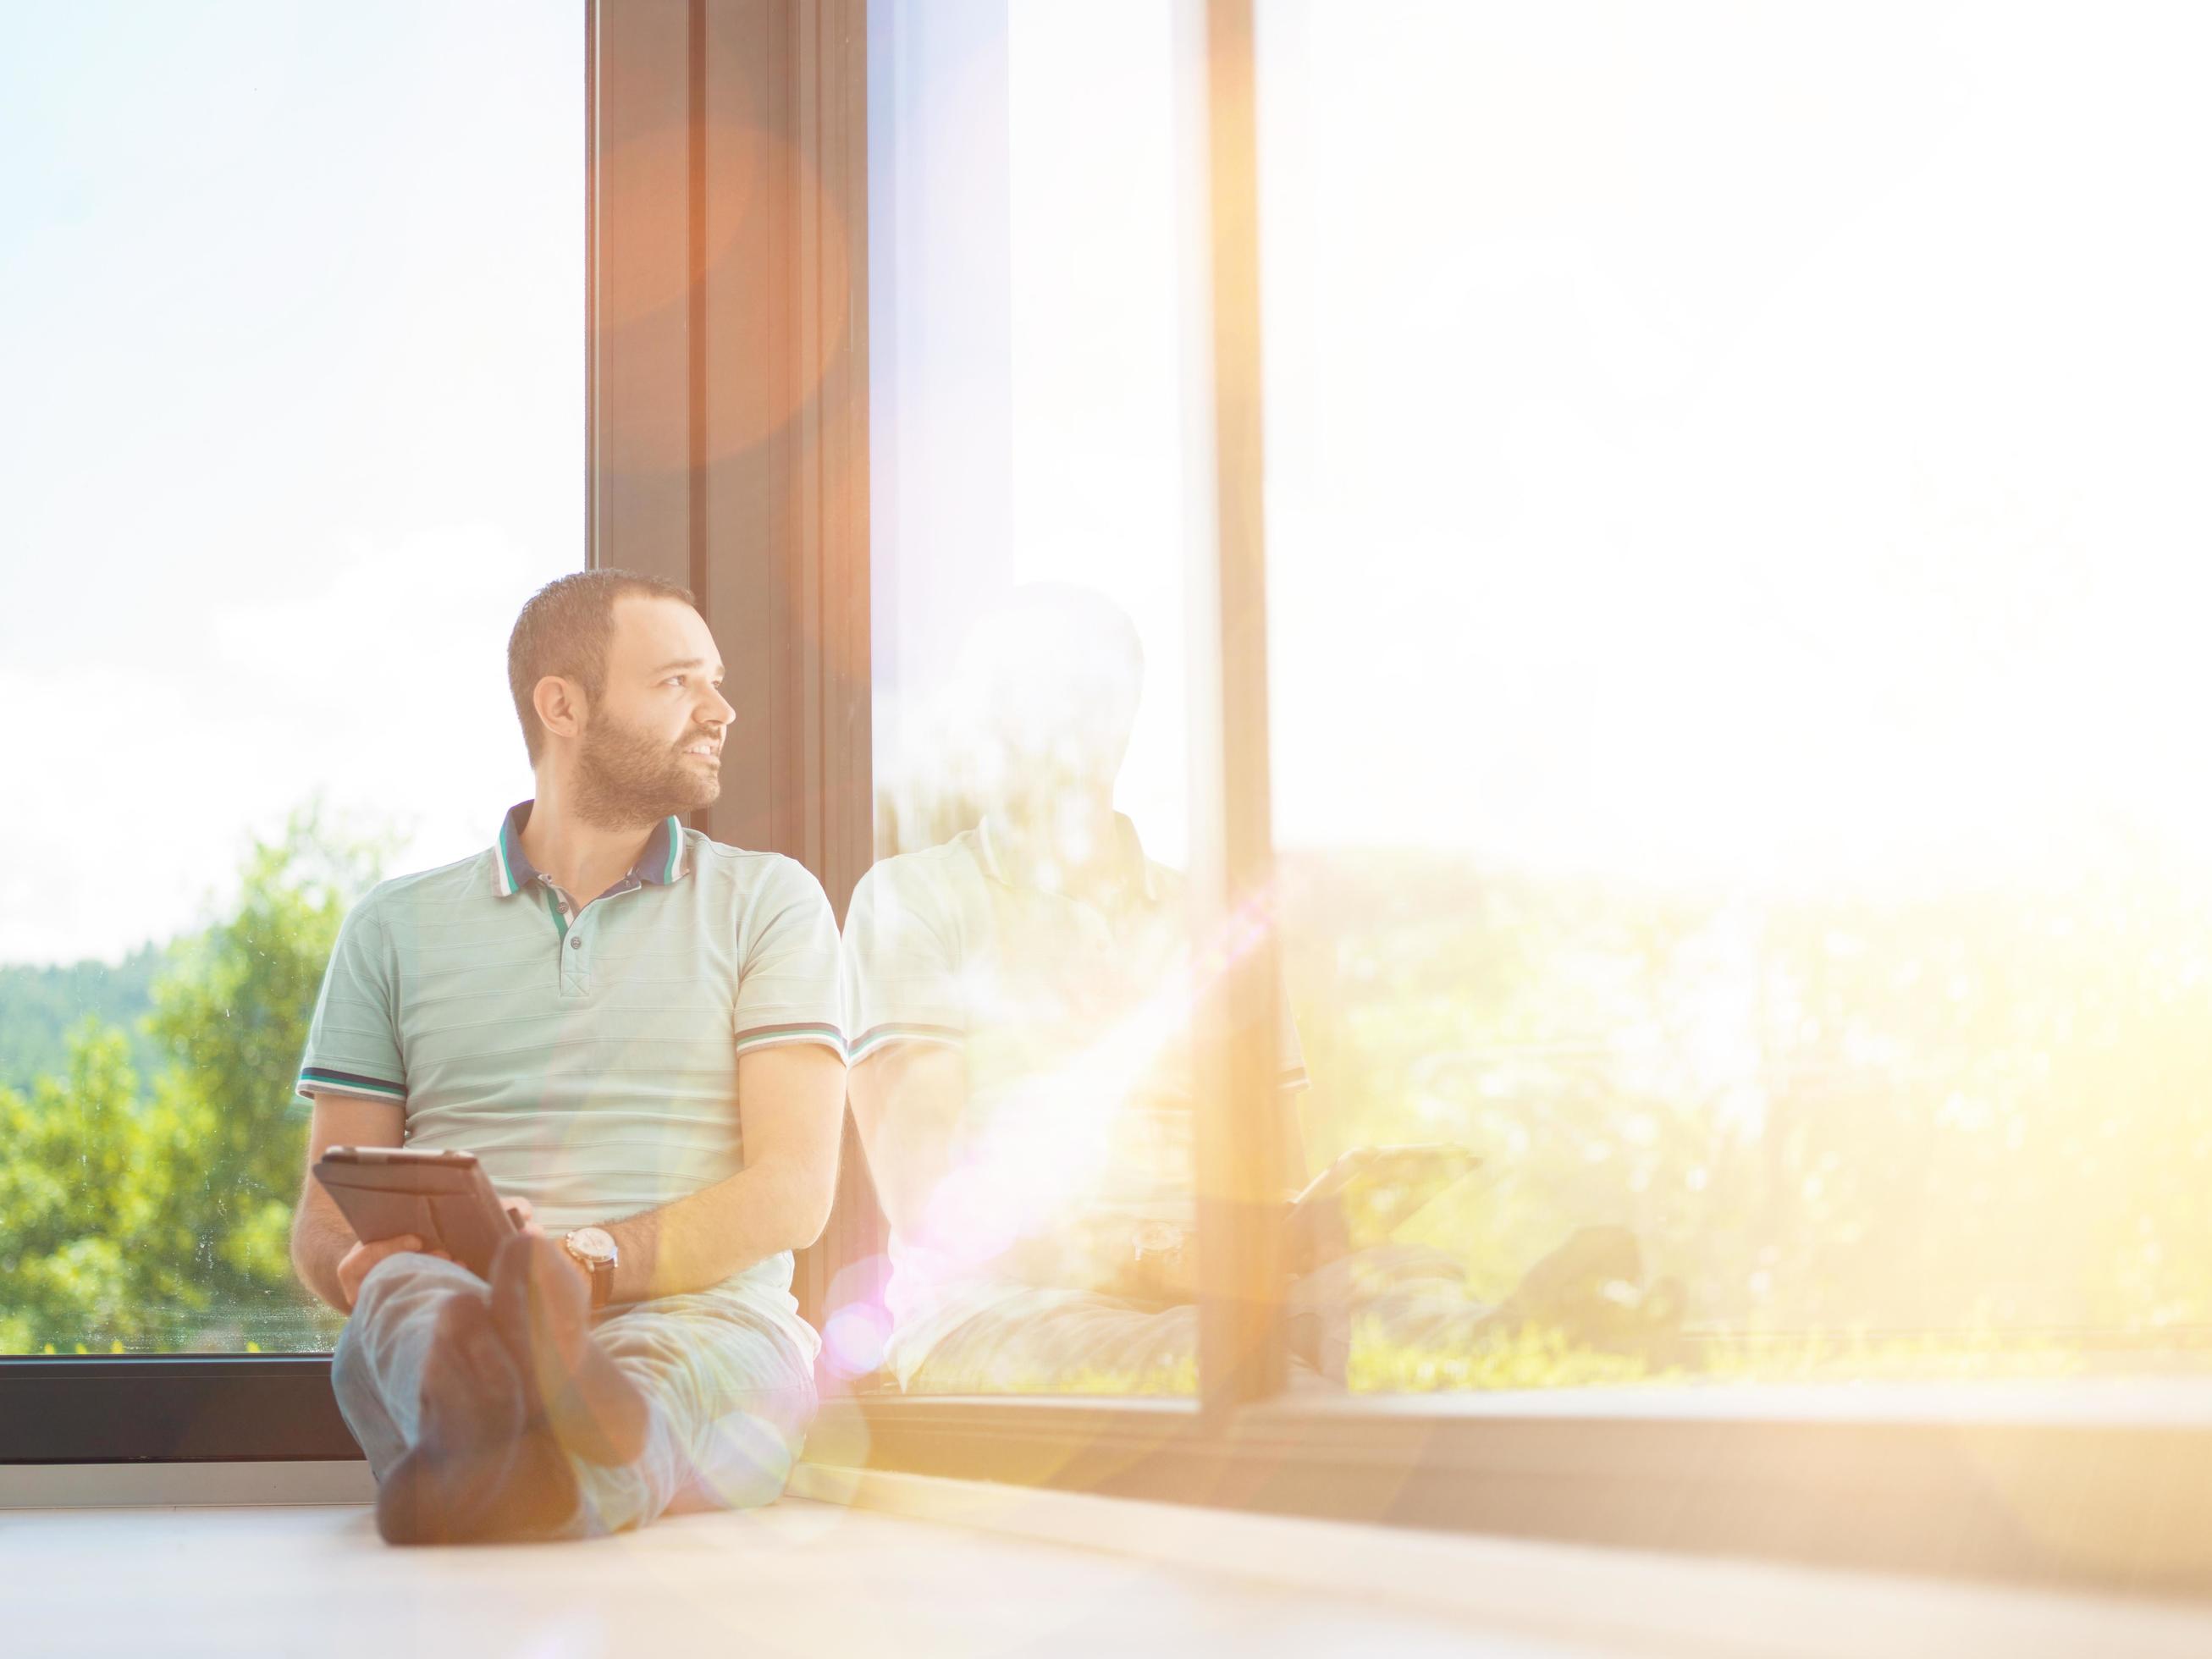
{"x":560,"y":705}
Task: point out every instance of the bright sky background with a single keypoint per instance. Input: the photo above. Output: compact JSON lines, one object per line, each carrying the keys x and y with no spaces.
{"x":1705,"y":440}
{"x":292,"y":329}
{"x":1740,"y":443}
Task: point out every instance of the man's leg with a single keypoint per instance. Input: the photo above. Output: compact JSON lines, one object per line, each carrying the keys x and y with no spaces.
{"x":437,"y":1404}
{"x":695,"y":1397}
{"x":376,"y":1371}
{"x":730,"y":1397}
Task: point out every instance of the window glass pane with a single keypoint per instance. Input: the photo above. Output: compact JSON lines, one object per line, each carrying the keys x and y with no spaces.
{"x":1018,"y":959}
{"x":1731,"y":508}
{"x":293,"y":339}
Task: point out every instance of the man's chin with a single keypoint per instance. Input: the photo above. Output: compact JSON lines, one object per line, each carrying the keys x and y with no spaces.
{"x":677,"y":797}
{"x":697,"y":791}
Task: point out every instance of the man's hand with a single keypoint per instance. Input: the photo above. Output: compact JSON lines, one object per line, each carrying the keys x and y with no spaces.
{"x":355,"y":1264}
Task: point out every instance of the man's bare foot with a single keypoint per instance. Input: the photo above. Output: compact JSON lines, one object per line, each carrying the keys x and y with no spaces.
{"x":479,"y":1470}
{"x":540,"y":1305}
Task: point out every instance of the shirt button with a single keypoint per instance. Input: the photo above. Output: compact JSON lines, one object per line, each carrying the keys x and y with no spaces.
{"x":575,"y":942}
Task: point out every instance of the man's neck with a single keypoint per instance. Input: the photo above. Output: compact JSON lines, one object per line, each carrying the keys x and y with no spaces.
{"x":584,"y":859}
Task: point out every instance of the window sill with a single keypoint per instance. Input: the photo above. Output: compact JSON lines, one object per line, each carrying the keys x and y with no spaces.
{"x":2090,"y":1484}
{"x":1547,"y":1591}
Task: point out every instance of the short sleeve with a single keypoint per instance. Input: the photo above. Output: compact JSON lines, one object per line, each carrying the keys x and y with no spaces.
{"x":900,"y":966}
{"x":353,"y":1042}
{"x":788,"y":989}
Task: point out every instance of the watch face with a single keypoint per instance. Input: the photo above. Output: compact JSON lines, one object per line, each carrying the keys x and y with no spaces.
{"x":591,"y":1244}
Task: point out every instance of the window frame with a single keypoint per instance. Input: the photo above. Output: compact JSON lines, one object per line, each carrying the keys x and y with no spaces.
{"x":772,"y":534}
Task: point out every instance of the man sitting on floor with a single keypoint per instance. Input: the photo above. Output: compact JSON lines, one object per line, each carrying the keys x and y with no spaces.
{"x":636,"y":1029}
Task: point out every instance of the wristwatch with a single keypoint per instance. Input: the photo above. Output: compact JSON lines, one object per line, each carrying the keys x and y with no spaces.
{"x":593,"y":1249}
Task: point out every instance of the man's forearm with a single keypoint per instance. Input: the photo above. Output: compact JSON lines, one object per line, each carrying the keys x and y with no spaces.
{"x":702,"y":1239}
{"x":320,"y":1238}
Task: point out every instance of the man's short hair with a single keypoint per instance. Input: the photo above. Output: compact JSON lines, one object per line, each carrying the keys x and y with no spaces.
{"x":565,"y":630}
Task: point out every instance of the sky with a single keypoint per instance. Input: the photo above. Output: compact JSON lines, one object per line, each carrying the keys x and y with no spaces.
{"x":1710,"y":442}
{"x":1739,"y":443}
{"x":291,"y":304}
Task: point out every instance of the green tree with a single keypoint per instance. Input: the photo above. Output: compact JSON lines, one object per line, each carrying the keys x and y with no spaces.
{"x":157,"y":1219}
{"x":41,"y":1007}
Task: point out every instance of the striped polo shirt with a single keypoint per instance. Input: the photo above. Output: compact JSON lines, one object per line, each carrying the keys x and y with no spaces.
{"x":587,"y":1053}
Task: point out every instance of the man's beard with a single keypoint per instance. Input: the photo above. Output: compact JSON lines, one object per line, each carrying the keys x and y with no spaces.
{"x":625,"y":778}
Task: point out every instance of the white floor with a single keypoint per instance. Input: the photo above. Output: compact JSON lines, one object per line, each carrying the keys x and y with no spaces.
{"x":913,"y":1568}
{"x":799,"y":1578}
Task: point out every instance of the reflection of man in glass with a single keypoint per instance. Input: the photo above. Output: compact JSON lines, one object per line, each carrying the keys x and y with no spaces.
{"x":636,"y":1031}
{"x":1018,"y":997}
{"x":1021,"y":1076}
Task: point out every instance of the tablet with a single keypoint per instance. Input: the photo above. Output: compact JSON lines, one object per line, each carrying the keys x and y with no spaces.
{"x":443,"y":1198}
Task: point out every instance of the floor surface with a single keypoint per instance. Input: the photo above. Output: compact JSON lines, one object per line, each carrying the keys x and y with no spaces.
{"x":798,"y":1578}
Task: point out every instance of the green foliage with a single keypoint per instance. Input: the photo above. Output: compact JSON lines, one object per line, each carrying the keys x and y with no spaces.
{"x":157,"y":1218}
{"x":1534,"y":1357}
{"x":40,"y":1007}
{"x":1531,"y":1357}
{"x":1868,"y":1118}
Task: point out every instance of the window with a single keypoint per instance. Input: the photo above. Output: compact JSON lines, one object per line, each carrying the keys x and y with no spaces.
{"x":1019,"y":957}
{"x":1732,"y":712}
{"x":294,"y":424}
{"x":1668,"y":557}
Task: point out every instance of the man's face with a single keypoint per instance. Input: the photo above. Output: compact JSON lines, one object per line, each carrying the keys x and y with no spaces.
{"x":653,"y":742}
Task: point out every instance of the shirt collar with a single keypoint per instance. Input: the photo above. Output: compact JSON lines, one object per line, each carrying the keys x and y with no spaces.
{"x":1130,"y":862}
{"x":660,"y":864}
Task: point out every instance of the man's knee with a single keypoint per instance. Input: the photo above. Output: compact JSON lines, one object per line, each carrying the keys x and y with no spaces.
{"x":348,"y":1364}
{"x":395,"y":1291}
{"x":401,"y":1277}
{"x":745,"y":1457}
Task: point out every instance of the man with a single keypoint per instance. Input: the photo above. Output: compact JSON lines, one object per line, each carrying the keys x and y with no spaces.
{"x":636,"y":1031}
{"x":1022,"y":1079}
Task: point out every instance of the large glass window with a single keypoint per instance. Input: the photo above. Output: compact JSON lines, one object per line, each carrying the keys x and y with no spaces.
{"x":1020,"y":959}
{"x":1732,"y":528}
{"x":294,"y":333}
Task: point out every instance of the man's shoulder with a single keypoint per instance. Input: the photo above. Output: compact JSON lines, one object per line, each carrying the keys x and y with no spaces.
{"x":748,"y":873}
{"x":440,"y":886}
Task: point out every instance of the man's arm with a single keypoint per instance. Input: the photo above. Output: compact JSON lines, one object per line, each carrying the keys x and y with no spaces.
{"x":791,"y":1104}
{"x":322,"y":1240}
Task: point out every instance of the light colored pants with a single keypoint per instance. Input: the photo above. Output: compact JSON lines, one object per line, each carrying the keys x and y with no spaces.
{"x":730,"y":1395}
